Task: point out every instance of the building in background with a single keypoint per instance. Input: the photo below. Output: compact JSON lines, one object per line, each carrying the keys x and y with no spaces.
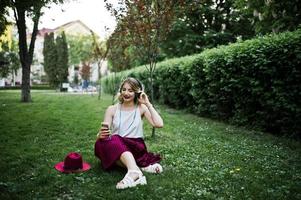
{"x":72,"y":28}
{"x":37,"y":69}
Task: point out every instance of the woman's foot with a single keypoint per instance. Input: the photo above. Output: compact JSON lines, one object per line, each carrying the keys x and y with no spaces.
{"x":154,"y":168}
{"x":132,"y":179}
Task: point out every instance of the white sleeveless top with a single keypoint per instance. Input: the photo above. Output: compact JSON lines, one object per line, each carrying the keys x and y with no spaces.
{"x":127,"y":123}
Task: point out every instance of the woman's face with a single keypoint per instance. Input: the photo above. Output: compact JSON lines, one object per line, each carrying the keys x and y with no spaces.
{"x":127,"y":93}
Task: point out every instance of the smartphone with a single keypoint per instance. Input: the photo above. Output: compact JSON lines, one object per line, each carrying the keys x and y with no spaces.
{"x":105,"y":125}
{"x":105,"y":129}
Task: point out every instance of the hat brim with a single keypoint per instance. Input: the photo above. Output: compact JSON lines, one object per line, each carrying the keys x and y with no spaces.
{"x":60,"y":167}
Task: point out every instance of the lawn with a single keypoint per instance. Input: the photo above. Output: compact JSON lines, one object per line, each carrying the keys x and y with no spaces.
{"x":203,"y":159}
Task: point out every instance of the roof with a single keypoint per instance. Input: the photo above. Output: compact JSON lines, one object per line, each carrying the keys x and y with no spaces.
{"x":71,"y":23}
{"x":42,"y":32}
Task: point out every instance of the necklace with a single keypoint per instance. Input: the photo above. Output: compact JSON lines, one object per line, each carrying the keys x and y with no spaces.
{"x":119,"y":126}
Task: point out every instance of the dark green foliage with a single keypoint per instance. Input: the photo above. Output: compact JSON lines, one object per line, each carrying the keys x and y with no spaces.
{"x":255,"y":83}
{"x":3,"y":12}
{"x":80,"y":49}
{"x":176,"y":92}
{"x":272,"y":16}
{"x":111,"y":84}
{"x":123,"y":55}
{"x":206,"y":24}
{"x":62,"y":58}
{"x":4,"y":60}
{"x":76,"y":80}
{"x":9,"y":58}
{"x":33,"y":87}
{"x":50,"y":60}
{"x":55,"y":53}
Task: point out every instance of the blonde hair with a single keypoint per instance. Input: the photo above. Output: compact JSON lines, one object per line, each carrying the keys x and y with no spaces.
{"x":135,"y":85}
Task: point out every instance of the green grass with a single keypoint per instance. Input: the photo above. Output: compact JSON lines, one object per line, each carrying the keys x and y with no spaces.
{"x":203,"y":159}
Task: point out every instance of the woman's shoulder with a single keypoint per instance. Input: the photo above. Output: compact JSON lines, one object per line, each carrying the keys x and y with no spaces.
{"x":112,"y":108}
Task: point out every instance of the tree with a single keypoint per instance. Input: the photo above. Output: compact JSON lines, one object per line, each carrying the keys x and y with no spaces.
{"x":50,"y":60}
{"x":21,"y":9}
{"x":206,"y":24}
{"x":122,"y":54}
{"x":85,"y":49}
{"x":118,"y":57}
{"x":9,"y":59}
{"x":62,"y":58}
{"x":4,"y":60}
{"x":80,"y":51}
{"x":272,"y":15}
{"x":146,"y":24}
{"x":100,"y":52}
{"x":80,"y":48}
{"x":55,"y":53}
{"x":85,"y":73}
{"x":75,"y":78}
{"x":3,"y":12}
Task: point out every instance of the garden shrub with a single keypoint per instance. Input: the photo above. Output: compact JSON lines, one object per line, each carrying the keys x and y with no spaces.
{"x":33,"y":87}
{"x":255,"y":83}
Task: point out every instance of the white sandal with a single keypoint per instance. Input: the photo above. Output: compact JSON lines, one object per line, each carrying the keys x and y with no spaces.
{"x":154,"y":168}
{"x":128,"y":182}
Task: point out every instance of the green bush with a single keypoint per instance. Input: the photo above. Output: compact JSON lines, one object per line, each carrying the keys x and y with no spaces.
{"x":110,"y":85}
{"x":174,"y":82}
{"x":33,"y":87}
{"x":255,"y":83}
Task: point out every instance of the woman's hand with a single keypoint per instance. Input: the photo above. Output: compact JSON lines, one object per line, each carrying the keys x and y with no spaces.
{"x":103,"y":133}
{"x":143,"y":99}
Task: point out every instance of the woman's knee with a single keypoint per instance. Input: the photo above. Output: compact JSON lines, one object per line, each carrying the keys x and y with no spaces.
{"x":127,"y":158}
{"x":126,"y":154}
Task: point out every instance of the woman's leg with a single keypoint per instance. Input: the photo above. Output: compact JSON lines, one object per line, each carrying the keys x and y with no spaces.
{"x":128,"y":160}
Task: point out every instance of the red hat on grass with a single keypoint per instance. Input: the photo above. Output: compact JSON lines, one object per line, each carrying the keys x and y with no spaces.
{"x":73,"y":163}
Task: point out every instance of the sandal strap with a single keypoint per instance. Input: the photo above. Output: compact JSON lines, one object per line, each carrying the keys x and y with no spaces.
{"x":135,"y":171}
{"x":154,"y":168}
{"x":127,"y":180}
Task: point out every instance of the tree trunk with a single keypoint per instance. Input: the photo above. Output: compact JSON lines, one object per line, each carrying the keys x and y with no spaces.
{"x":152,"y":84}
{"x":114,"y":87}
{"x":24,"y":56}
{"x":99,"y":80}
{"x":152,"y":93}
{"x":13,"y":78}
{"x":25,"y":87}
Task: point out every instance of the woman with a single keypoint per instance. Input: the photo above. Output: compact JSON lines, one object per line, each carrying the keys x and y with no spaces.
{"x":125,"y":147}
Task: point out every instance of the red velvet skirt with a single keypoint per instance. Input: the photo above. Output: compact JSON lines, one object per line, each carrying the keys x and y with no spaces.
{"x":110,"y":150}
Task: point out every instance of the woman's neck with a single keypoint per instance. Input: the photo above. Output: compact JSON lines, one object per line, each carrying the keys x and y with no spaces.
{"x":128,"y":104}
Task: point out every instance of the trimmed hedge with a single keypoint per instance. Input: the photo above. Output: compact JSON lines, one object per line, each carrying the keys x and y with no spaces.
{"x":34,"y":87}
{"x":255,"y":83}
